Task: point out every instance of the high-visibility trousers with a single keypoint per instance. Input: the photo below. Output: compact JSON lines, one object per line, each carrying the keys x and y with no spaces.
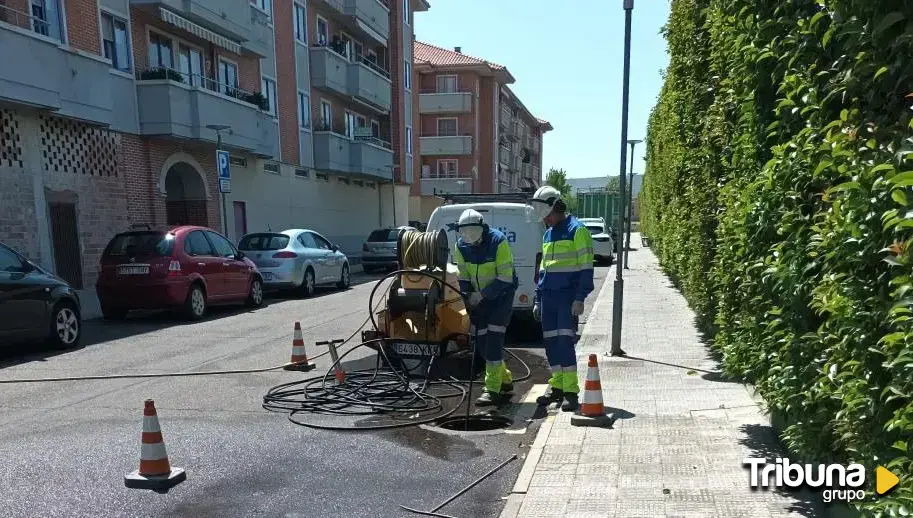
{"x":559,"y":330}
{"x":488,"y":326}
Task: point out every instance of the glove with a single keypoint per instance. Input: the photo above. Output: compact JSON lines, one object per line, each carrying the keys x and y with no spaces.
{"x":577,"y":308}
{"x":537,"y":312}
{"x":475,"y":298}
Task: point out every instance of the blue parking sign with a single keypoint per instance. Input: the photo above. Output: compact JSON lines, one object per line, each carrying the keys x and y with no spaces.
{"x":224,"y":166}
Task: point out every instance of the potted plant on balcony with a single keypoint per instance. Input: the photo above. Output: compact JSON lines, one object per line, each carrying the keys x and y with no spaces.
{"x":257,"y":99}
{"x":161,"y":73}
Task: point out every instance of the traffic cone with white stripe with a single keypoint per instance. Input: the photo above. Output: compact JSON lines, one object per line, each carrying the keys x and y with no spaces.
{"x":592,"y":412}
{"x":155,"y":471}
{"x":299,"y":361}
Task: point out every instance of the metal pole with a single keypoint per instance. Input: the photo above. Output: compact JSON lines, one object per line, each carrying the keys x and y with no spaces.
{"x":619,"y":281}
{"x":222,"y":194}
{"x":630,"y":203}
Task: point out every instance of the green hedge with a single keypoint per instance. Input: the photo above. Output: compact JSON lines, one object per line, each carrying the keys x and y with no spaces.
{"x":778,"y":197}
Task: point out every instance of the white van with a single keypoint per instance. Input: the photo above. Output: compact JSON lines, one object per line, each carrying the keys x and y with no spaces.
{"x":524,"y":234}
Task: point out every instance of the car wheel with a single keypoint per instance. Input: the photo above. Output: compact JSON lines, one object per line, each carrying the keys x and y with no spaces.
{"x":195,"y":305}
{"x":344,"y":279}
{"x":255,"y":297}
{"x":308,"y":284}
{"x":66,"y":326}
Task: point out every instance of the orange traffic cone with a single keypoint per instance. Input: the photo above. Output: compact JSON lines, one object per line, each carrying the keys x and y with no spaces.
{"x":155,"y":471}
{"x":592,"y":411}
{"x":299,"y":361}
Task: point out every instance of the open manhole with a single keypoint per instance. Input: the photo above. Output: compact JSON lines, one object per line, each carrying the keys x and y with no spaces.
{"x":478,"y":424}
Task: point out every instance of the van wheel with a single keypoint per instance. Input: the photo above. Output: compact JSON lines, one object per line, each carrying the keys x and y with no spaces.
{"x":195,"y":305}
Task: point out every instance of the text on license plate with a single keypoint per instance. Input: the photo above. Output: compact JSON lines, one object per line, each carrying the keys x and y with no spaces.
{"x":412,"y":349}
{"x":133,"y":269}
{"x":267,"y":276}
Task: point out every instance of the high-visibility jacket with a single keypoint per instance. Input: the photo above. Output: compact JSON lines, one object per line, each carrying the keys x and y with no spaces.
{"x":567,"y":260}
{"x":488,"y":266}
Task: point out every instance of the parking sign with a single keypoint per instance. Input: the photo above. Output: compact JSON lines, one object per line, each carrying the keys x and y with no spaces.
{"x":224,"y":166}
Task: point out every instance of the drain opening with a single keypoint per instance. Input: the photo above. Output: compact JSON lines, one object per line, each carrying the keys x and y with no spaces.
{"x":475,"y":423}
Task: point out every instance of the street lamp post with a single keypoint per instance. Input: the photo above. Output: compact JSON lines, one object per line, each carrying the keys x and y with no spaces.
{"x":619,"y":280}
{"x":219,"y":128}
{"x":630,"y":200}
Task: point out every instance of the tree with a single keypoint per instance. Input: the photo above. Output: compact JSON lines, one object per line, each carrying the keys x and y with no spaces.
{"x":613,"y":184}
{"x":557,"y":178}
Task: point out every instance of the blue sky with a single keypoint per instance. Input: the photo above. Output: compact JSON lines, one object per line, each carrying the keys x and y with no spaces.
{"x":568,"y":65}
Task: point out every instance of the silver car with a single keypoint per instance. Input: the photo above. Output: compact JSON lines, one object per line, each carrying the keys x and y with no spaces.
{"x":379,"y":251}
{"x":298,"y":258}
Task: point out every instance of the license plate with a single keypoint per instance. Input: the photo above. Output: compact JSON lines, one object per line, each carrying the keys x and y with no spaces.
{"x":412,"y":349}
{"x":133,"y":269}
{"x":267,"y":276}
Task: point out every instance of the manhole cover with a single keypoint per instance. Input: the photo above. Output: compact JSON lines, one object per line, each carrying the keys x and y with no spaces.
{"x":474,"y":424}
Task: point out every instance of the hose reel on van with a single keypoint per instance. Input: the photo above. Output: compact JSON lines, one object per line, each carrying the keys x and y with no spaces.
{"x":424,"y":328}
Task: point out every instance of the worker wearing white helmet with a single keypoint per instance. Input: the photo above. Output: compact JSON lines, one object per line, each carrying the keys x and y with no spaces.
{"x":565,"y":280}
{"x":486,"y":266}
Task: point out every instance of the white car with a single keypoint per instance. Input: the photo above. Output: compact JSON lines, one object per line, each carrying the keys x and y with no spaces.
{"x":603,"y":244}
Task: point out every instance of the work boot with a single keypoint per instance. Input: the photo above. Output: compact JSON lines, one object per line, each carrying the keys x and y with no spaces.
{"x":491,"y":399}
{"x":570,"y":402}
{"x":554,"y":396}
{"x":507,"y":388}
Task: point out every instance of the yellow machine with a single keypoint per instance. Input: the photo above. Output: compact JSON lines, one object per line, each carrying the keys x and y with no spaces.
{"x":424,"y":328}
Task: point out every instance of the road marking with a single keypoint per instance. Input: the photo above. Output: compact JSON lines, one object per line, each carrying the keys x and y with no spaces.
{"x":525,"y":409}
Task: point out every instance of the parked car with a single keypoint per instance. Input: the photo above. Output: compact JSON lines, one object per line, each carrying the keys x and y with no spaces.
{"x":603,"y":243}
{"x":35,"y":304}
{"x":186,"y":268}
{"x":379,"y":251}
{"x":297,"y":258}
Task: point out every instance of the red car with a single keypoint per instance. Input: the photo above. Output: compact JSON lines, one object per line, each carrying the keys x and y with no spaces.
{"x":186,"y":268}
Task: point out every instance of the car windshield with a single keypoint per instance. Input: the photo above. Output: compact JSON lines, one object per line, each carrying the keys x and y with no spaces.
{"x":264,"y":242}
{"x":385,"y":235}
{"x":595,"y":229}
{"x":134,"y":244}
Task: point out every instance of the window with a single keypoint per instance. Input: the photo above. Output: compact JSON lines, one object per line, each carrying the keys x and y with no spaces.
{"x":191,"y":64}
{"x":351,"y":124}
{"x":299,"y":14}
{"x":447,"y":127}
{"x":326,"y":116}
{"x":304,"y":109}
{"x":375,"y":129}
{"x":264,"y":242}
{"x":268,"y":88}
{"x":228,"y":77}
{"x":161,"y":53}
{"x":406,"y":12}
{"x":322,"y":243}
{"x":9,"y":261}
{"x":447,"y":168}
{"x":115,"y":41}
{"x":407,"y":79}
{"x":221,"y":245}
{"x":446,"y":84}
{"x":409,"y":140}
{"x":307,"y":240}
{"x":264,"y":5}
{"x":349,"y":46}
{"x":196,"y":244}
{"x":323,"y":31}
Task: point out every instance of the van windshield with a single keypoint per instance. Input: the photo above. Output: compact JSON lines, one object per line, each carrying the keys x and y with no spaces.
{"x":140,"y":244}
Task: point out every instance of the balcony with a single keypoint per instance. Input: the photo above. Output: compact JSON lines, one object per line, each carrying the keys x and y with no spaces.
{"x":445,"y":102}
{"x":363,"y":80}
{"x":229,"y":18}
{"x":432,"y":185}
{"x":260,"y":40}
{"x":38,"y":71}
{"x":445,"y":145}
{"x":181,"y":106}
{"x":336,"y":152}
{"x":370,"y":17}
{"x":504,"y":155}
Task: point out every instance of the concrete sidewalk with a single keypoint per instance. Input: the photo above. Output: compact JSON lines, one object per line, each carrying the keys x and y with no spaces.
{"x":682,"y":432}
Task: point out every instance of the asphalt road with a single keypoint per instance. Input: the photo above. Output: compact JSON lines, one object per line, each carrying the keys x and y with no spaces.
{"x":66,"y":446}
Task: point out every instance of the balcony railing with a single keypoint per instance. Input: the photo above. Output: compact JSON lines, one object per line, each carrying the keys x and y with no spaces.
{"x":27,"y":21}
{"x":339,"y":48}
{"x":163,"y":73}
{"x":322,"y":125}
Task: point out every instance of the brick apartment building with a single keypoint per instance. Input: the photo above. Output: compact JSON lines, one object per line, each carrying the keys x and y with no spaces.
{"x":110,"y":111}
{"x":476,"y":136}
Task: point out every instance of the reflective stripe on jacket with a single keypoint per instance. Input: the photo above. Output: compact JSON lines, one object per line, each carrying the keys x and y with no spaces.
{"x":487,"y":267}
{"x":567,"y":259}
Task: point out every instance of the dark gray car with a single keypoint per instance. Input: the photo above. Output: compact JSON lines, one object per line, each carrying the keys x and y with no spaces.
{"x":379,"y":251}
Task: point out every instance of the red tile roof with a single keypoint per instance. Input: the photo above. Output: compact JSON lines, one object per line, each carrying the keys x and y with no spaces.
{"x":436,"y":56}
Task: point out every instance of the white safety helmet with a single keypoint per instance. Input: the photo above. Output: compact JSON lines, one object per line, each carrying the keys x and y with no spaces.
{"x":546,"y":199}
{"x":470,"y":226}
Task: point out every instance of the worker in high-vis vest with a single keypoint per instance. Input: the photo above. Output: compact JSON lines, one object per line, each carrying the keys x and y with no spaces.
{"x":565,"y":280}
{"x":486,"y":266}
